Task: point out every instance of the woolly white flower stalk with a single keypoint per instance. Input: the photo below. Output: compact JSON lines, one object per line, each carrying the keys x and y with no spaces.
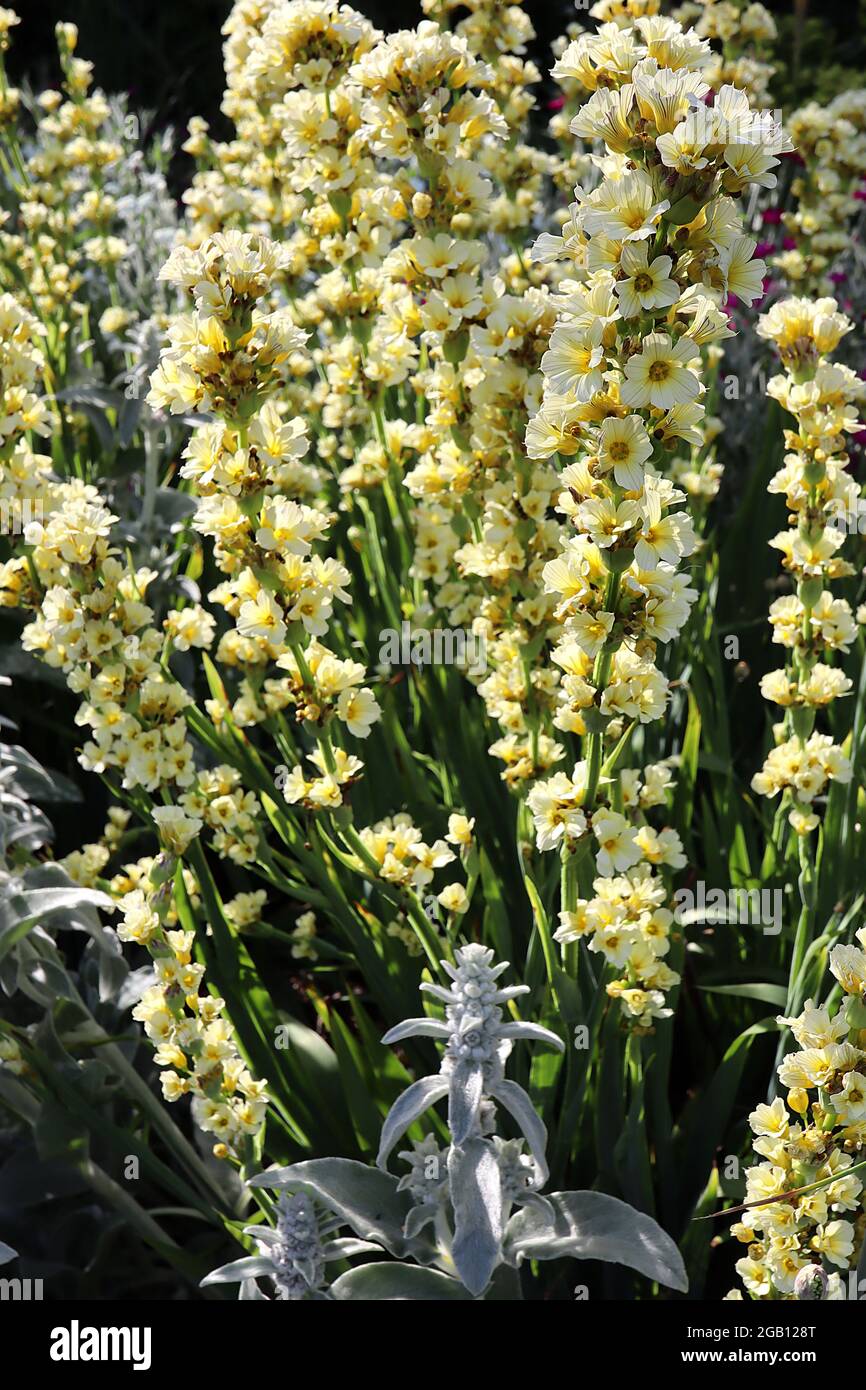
{"x":294,"y":1253}
{"x":477,"y":1045}
{"x":484,"y":1178}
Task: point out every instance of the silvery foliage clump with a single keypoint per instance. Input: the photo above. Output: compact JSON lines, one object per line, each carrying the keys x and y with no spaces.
{"x":146,"y":211}
{"x":46,"y":1002}
{"x":26,"y":787}
{"x":24,"y":827}
{"x":64,"y":1007}
{"x":38,"y":899}
{"x":293,"y":1253}
{"x":112,"y":392}
{"x":147,"y":221}
{"x":145,"y":218}
{"x":468,"y":1214}
{"x":38,"y":902}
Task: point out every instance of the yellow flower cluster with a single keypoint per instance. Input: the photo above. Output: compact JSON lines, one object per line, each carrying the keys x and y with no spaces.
{"x":801,"y":1246}
{"x":85,"y":865}
{"x":401,"y":854}
{"x":230,"y":353}
{"x":575,"y":162}
{"x":824,"y":506}
{"x":626,"y":922}
{"x":191,"y":1039}
{"x":285,"y":63}
{"x":653,"y":249}
{"x":394,"y":852}
{"x":480,"y":524}
{"x":389,"y":273}
{"x":230,"y":357}
{"x":63,"y":223}
{"x":92,"y":621}
{"x":226,"y":808}
{"x":93,"y":624}
{"x":499,"y":36}
{"x":24,"y":476}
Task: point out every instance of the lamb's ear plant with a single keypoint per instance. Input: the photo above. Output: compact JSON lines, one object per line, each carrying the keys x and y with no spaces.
{"x":293,"y":1253}
{"x":481,"y":1193}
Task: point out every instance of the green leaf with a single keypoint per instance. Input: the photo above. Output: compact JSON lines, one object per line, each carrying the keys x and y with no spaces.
{"x":767,"y":994}
{"x":688,"y":769}
{"x":631,"y":1155}
{"x":706,"y":1120}
{"x":315,"y":1071}
{"x":59,"y":1135}
{"x":357,"y":1085}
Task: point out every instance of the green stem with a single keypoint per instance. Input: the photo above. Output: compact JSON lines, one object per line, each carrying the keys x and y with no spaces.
{"x":600,"y":676}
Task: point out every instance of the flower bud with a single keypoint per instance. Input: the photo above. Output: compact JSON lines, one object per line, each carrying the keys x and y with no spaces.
{"x":162,"y":869}
{"x":67,"y":36}
{"x":454,"y":347}
{"x":798,"y":1100}
{"x":814,"y":472}
{"x":809,"y":590}
{"x":618,"y":561}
